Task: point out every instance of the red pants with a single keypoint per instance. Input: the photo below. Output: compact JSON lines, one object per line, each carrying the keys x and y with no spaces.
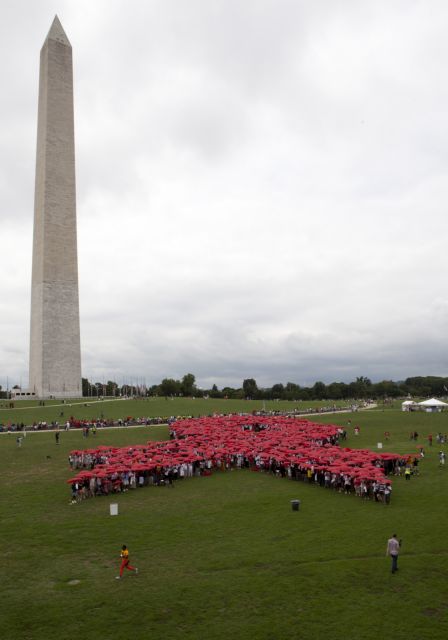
{"x":125,"y":565}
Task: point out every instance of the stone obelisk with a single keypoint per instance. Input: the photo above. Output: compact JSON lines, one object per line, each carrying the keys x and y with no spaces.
{"x":55,"y":353}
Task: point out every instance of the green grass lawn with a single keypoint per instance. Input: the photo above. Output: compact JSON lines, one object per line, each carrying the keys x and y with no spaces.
{"x":27,"y":411}
{"x":225,"y":555}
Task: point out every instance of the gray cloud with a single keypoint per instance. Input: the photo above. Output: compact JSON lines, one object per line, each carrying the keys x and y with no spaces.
{"x":261,"y":187}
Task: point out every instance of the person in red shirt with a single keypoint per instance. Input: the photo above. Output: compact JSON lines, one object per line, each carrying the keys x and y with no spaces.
{"x":124,"y":555}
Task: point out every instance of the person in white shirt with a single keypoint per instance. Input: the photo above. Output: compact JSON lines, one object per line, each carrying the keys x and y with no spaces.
{"x":393,"y":547}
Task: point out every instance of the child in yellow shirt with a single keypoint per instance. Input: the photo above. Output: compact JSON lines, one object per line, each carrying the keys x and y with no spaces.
{"x":124,"y":555}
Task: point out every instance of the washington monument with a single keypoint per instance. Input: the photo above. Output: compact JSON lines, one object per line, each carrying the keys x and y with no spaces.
{"x":55,"y":353}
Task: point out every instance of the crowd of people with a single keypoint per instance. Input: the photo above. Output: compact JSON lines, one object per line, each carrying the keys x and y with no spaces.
{"x":282,"y":446}
{"x":131,"y":421}
{"x":92,"y":423}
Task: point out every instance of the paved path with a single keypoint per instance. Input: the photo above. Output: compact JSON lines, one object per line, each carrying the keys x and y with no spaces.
{"x":71,"y":404}
{"x":165,"y":424}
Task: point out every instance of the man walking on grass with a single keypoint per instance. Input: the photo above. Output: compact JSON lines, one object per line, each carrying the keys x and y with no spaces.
{"x":393,"y":547}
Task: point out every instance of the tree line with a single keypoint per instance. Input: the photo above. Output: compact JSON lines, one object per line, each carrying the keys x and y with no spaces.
{"x":361,"y":387}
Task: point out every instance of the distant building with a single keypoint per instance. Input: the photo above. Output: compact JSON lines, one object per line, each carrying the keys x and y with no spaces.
{"x":22,"y":394}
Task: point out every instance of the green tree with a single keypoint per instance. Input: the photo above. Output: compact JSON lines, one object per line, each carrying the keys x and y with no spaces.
{"x":98,"y":388}
{"x":361,"y":387}
{"x":386,"y":389}
{"x":278,"y":391}
{"x":85,"y":386}
{"x":337,"y":391}
{"x":111,"y":388}
{"x":170,"y":387}
{"x":250,"y":388}
{"x":292,"y":391}
{"x":319,"y":391}
{"x":188,"y":386}
{"x":215,"y":392}
{"x":230,"y":392}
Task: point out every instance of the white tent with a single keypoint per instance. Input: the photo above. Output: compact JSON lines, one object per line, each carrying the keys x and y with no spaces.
{"x":407,"y":405}
{"x":432,"y":405}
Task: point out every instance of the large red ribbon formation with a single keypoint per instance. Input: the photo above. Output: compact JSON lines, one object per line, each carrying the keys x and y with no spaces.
{"x":261,"y":440}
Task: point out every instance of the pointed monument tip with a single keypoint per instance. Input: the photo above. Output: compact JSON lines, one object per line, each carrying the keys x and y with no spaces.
{"x":57,"y":32}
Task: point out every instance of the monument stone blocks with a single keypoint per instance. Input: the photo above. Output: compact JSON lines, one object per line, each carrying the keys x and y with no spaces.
{"x":55,"y":353}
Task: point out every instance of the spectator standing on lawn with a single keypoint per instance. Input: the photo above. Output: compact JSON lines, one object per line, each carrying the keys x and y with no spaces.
{"x":393,"y":548}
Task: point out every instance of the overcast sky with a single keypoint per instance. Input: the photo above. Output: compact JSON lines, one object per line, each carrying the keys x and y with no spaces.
{"x":261,"y":187}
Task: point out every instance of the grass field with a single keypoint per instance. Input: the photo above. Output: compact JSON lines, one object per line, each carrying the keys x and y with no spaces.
{"x":225,"y":555}
{"x":27,"y":411}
